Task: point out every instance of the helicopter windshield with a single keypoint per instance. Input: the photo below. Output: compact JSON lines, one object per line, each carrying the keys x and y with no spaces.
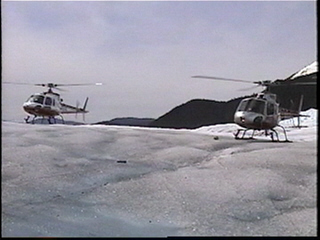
{"x":256,"y":106}
{"x":37,"y":99}
{"x":242,"y":105}
{"x":252,"y":105}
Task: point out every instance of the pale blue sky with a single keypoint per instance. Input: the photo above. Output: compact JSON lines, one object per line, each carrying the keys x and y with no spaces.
{"x":146,"y":52}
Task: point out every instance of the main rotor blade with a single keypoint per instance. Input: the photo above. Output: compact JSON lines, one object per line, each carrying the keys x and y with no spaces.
{"x":292,"y":83}
{"x":54,"y":85}
{"x":18,"y":83}
{"x":250,"y":88}
{"x":225,"y":79}
{"x":45,"y":85}
{"x":78,"y":84}
{"x":60,"y":89}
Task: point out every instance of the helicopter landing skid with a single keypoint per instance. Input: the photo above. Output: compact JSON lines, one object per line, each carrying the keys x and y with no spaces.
{"x":268,"y":132}
{"x":51,"y":119}
{"x":28,"y":117}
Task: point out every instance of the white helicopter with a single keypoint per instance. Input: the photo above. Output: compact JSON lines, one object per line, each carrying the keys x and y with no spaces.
{"x":49,"y":104}
{"x":262,"y":112}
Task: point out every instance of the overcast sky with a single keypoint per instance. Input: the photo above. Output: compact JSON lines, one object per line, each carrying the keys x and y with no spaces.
{"x":145,"y":52}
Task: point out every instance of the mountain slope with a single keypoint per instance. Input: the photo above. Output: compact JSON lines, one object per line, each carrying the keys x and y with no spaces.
{"x":198,"y":112}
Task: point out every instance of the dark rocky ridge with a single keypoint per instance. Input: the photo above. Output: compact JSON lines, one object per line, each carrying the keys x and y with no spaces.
{"x":197,"y":113}
{"x":129,"y":121}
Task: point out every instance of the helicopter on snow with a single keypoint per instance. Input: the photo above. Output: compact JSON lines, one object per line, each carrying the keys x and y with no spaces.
{"x":49,"y":104}
{"x":262,"y":112}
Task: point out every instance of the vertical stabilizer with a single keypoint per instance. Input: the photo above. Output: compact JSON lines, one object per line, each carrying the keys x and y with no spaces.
{"x":300,"y":104}
{"x":85,"y":104}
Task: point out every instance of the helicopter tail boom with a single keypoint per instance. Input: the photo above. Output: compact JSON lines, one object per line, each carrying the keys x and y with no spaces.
{"x":72,"y":109}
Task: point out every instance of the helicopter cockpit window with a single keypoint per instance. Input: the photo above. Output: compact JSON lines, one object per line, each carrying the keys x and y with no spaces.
{"x":37,"y":99}
{"x":30,"y":98}
{"x":48,"y":101}
{"x":256,"y":106}
{"x":242,"y":105}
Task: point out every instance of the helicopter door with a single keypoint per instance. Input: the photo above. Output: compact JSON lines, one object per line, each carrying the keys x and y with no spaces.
{"x":270,"y":108}
{"x":48,"y":101}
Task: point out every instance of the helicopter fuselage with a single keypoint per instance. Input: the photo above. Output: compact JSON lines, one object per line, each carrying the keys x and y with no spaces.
{"x":45,"y":104}
{"x":255,"y":121}
{"x":259,"y":113}
{"x":49,"y":104}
